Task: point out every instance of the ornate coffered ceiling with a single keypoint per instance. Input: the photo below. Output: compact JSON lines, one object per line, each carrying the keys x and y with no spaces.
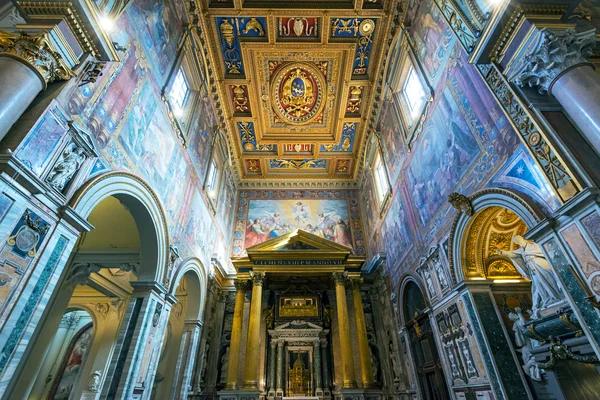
{"x":297,"y":84}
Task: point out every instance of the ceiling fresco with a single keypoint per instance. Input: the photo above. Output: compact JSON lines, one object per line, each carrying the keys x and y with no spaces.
{"x":297,"y":84}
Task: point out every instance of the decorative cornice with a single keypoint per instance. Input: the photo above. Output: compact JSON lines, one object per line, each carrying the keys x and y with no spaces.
{"x":552,"y":54}
{"x":523,"y":11}
{"x":65,"y":11}
{"x":37,"y":52}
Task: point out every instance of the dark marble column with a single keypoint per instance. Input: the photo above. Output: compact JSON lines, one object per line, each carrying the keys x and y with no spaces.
{"x":317,"y":369}
{"x":325,"y":361}
{"x":280,"y":367}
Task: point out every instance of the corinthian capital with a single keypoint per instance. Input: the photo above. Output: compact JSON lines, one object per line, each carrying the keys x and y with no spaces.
{"x":37,"y":52}
{"x":553,"y":54}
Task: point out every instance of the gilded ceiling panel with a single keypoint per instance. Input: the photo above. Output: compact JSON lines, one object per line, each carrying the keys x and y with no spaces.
{"x":297,"y":83}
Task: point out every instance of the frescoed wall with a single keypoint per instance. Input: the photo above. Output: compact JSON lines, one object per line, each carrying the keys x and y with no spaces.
{"x":264,"y":215}
{"x":465,"y":145}
{"x":125,"y":113}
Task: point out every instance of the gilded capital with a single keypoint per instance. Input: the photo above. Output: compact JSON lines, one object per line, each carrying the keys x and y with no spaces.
{"x":258,"y":278}
{"x":240,"y":284}
{"x":552,"y":54}
{"x":356,"y":283}
{"x":37,"y":52}
{"x":340,"y":278}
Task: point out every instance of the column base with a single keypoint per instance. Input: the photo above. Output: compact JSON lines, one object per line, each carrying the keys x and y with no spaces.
{"x":271,"y":394}
{"x":359,"y":394}
{"x":239,"y":394}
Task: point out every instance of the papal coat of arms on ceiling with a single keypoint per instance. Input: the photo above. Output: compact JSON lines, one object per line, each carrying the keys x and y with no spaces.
{"x":297,"y":92}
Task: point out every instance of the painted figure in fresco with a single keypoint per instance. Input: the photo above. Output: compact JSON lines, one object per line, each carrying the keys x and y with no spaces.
{"x":66,"y":167}
{"x":532,"y":264}
{"x":342,"y":234}
{"x":255,"y":233}
{"x":301,"y":213}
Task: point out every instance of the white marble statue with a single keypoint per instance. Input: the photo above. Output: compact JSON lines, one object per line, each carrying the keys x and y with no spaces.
{"x":94,"y":384}
{"x":532,"y":264}
{"x":65,"y":168}
{"x":524,"y":345}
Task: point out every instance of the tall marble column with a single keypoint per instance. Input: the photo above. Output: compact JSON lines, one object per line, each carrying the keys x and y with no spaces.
{"x":364,"y":353}
{"x":317,"y":368}
{"x":251,"y":367}
{"x":559,"y":66}
{"x":344,"y":329}
{"x":280,"y":367}
{"x":188,"y":350}
{"x":326,"y":375}
{"x":236,"y":335}
{"x":272,"y":351}
{"x":133,"y":365}
{"x":27,"y":64}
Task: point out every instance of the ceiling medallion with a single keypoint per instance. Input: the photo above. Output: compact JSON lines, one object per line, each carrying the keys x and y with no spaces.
{"x":298,"y":93}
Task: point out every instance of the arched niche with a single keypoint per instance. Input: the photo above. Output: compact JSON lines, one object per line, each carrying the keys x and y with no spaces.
{"x":423,"y":346}
{"x":196,"y":281}
{"x":174,"y":371}
{"x":146,"y":209}
{"x":498,"y":214}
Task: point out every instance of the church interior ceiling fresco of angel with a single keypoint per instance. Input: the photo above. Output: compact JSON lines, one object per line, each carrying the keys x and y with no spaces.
{"x":309,"y":199}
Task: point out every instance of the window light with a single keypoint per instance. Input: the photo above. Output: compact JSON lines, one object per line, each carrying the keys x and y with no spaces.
{"x":414,"y":92}
{"x":179,"y":92}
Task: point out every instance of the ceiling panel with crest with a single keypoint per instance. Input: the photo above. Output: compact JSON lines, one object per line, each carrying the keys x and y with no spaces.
{"x":296,"y":82}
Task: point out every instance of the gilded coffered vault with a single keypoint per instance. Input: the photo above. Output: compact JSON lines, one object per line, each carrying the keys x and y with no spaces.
{"x":297,"y":83}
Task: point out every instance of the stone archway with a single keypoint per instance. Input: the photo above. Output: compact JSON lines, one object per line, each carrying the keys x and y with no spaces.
{"x":114,"y":281}
{"x":180,"y":347}
{"x":145,"y":207}
{"x":509,"y":213}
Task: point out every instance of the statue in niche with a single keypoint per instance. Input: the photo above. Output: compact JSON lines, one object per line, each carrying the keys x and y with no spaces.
{"x":532,"y":264}
{"x":429,"y":282}
{"x":374,"y":366}
{"x":439,"y":270}
{"x":94,"y":384}
{"x":70,"y":161}
{"x":530,"y":365}
{"x":395,"y":367}
{"x":270,"y":317}
{"x":327,"y":317}
{"x":224,"y":364}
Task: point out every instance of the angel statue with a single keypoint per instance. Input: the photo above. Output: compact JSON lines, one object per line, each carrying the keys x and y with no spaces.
{"x":532,"y":264}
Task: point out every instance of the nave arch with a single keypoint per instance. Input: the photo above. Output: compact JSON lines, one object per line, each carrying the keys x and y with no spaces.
{"x":118,"y":274}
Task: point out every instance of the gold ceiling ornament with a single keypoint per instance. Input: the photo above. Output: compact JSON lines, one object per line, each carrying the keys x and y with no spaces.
{"x":240,"y":101}
{"x":298,"y":93}
{"x":491,"y":230}
{"x":366,"y":27}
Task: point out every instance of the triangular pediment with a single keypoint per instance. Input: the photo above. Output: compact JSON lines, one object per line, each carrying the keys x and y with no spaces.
{"x":296,"y":253}
{"x":299,"y":240}
{"x":298,"y":324}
